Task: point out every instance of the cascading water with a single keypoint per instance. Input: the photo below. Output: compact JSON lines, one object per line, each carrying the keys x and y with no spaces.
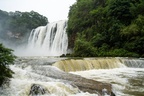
{"x":39,"y":76}
{"x":89,"y":64}
{"x":134,"y":63}
{"x":35,"y":76}
{"x":98,"y":63}
{"x":50,"y":40}
{"x":125,"y":74}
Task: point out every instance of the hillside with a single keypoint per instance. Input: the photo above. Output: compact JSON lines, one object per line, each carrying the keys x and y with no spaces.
{"x":16,"y":26}
{"x":106,"y":28}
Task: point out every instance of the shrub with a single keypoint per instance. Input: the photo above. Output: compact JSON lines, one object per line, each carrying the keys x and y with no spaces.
{"x":6,"y":58}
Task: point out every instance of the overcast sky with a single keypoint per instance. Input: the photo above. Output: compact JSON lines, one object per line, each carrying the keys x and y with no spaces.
{"x":54,"y":10}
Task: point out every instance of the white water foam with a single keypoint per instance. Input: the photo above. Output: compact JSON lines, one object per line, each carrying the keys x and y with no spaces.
{"x":49,"y":40}
{"x":123,"y":80}
{"x":26,"y":75}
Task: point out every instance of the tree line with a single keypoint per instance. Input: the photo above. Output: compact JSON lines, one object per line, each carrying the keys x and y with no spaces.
{"x":19,"y":24}
{"x":106,"y":28}
{"x":14,"y":26}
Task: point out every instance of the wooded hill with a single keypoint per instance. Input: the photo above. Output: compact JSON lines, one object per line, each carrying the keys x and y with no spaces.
{"x":106,"y":28}
{"x":14,"y":26}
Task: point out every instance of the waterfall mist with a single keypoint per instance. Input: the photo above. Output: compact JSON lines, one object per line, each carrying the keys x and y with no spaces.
{"x":49,"y":40}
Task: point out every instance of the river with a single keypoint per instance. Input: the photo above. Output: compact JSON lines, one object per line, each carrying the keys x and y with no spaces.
{"x":126,"y":78}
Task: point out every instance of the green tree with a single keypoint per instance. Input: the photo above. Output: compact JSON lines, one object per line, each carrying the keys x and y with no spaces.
{"x":6,"y":58}
{"x":83,"y":48}
{"x":120,"y":10}
{"x":109,"y":27}
{"x":16,"y":26}
{"x":26,"y":21}
{"x":134,"y":35}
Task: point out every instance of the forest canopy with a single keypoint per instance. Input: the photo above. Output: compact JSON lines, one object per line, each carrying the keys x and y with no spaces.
{"x":106,"y":28}
{"x":14,"y":26}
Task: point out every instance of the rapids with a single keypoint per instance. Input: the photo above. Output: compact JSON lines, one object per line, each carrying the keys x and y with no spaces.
{"x":30,"y":71}
{"x":40,"y":76}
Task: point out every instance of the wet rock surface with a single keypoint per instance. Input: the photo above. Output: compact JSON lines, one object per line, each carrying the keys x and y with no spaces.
{"x":37,"y":89}
{"x":86,"y":85}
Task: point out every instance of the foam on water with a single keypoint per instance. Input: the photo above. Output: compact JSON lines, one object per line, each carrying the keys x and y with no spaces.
{"x":126,"y":81}
{"x":26,"y":76}
{"x":122,"y":79}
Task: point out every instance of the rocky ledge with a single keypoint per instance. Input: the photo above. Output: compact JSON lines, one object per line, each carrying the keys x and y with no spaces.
{"x":85,"y":85}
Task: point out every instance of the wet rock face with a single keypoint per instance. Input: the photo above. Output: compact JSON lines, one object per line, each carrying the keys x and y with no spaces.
{"x":37,"y":89}
{"x":85,"y":85}
{"x":92,"y":86}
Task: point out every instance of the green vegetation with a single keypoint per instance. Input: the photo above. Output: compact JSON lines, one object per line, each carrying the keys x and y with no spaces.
{"x":106,"y":28}
{"x":6,"y":58}
{"x":14,"y":26}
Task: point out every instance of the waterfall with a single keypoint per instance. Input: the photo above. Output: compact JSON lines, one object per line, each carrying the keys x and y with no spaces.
{"x":98,"y":63}
{"x":134,"y":63}
{"x":49,"y":40}
{"x":88,"y":64}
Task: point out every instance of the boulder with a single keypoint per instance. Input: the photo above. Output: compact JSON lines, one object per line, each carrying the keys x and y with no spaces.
{"x":37,"y":89}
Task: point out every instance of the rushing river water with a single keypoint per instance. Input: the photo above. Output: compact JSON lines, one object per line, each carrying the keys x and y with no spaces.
{"x":125,"y":75}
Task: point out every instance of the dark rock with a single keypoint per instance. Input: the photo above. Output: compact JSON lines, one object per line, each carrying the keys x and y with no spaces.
{"x":37,"y":89}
